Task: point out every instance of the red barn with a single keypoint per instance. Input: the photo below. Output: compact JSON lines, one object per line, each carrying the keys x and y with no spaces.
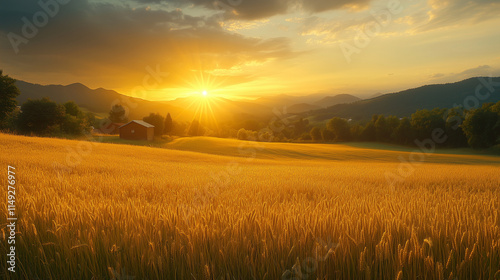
{"x":137,"y":130}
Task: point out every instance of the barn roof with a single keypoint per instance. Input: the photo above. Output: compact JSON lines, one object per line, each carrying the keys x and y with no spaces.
{"x":143,"y":123}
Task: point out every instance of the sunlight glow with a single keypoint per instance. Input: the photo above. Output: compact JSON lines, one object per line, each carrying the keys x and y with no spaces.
{"x":204,"y":93}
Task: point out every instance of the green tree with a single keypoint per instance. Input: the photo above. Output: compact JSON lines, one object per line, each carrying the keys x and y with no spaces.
{"x":315,"y":134}
{"x":72,"y":109}
{"x":392,"y":122}
{"x":156,"y":120}
{"x":8,"y":94}
{"x":369,"y":133}
{"x":73,"y":125}
{"x":425,"y":122}
{"x":299,"y":127}
{"x":327,"y":135}
{"x":382,"y":133}
{"x":168,"y":126}
{"x":40,"y":116}
{"x":480,"y":127}
{"x":117,"y":114}
{"x":404,"y":134}
{"x":454,"y":131}
{"x":356,"y":132}
{"x":340,"y":127}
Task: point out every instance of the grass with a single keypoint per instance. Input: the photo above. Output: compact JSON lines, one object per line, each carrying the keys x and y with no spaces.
{"x":209,"y":208}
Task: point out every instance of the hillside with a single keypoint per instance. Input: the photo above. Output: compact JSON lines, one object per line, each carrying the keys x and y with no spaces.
{"x":95,"y":100}
{"x":101,"y":100}
{"x":404,"y":103}
{"x":301,"y":108}
{"x":336,"y":99}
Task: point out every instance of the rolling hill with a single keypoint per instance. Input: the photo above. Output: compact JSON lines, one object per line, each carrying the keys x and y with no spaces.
{"x":336,"y":99}
{"x":98,"y":100}
{"x":404,"y":103}
{"x":101,"y":100}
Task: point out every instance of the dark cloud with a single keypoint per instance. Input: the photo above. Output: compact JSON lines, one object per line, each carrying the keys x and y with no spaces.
{"x":324,"y":5}
{"x":114,"y":44}
{"x":258,"y":9}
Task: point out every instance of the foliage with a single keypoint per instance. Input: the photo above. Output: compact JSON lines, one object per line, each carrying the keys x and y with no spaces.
{"x":118,"y":114}
{"x":242,"y":134}
{"x":481,"y":126}
{"x":8,"y":94}
{"x":339,"y":127}
{"x":72,"y":109}
{"x":40,"y":116}
{"x":168,"y":126}
{"x":157,"y":120}
{"x":327,"y":135}
{"x":316,"y":134}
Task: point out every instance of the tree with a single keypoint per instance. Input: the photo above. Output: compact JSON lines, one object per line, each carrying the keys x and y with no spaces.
{"x":242,"y":134}
{"x":369,"y":132}
{"x":195,"y":129}
{"x":480,"y":127}
{"x":454,"y":131}
{"x":404,"y":134}
{"x":156,"y":120}
{"x":117,"y":114}
{"x":392,"y":122}
{"x":299,"y":127}
{"x":315,"y":134}
{"x":356,"y":132}
{"x":40,"y":116}
{"x":340,"y":127}
{"x":72,"y":109}
{"x":424,"y":122}
{"x":168,"y":126}
{"x":327,"y":135}
{"x":382,"y":133}
{"x":8,"y":94}
{"x":73,"y":125}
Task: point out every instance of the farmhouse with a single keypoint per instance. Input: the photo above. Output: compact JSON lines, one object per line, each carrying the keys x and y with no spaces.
{"x":137,"y":130}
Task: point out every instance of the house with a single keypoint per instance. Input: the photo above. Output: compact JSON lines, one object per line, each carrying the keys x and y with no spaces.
{"x":137,"y":130}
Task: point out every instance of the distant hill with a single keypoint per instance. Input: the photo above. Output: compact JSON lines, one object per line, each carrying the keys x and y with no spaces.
{"x":95,"y":100}
{"x":101,"y":100}
{"x":301,"y":108}
{"x":405,"y":103}
{"x":336,"y":99}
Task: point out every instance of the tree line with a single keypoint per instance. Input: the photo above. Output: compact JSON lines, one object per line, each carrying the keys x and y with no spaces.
{"x":478,"y":128}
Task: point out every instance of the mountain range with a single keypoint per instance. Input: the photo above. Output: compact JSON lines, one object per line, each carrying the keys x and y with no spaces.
{"x":317,"y":107}
{"x":402,"y":104}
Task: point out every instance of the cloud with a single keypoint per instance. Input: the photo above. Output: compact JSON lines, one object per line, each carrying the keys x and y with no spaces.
{"x":316,"y":6}
{"x":458,"y":12}
{"x":112,"y":44}
{"x":479,"y":71}
{"x":260,"y":9}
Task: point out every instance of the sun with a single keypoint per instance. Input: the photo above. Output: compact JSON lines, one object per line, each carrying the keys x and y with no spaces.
{"x":205,"y":93}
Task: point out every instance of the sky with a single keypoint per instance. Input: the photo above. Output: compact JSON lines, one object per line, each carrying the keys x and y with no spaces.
{"x":165,"y":49}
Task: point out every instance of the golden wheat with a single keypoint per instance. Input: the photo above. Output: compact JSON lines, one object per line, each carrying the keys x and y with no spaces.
{"x":165,"y":214}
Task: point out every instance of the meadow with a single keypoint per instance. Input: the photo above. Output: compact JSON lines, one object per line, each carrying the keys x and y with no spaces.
{"x":205,"y":208}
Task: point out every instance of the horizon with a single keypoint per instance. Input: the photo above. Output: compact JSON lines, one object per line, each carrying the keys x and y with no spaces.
{"x":255,"y":98}
{"x":247,"y":49}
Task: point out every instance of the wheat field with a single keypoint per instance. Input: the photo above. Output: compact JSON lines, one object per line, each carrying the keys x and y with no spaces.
{"x":258,"y":211}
